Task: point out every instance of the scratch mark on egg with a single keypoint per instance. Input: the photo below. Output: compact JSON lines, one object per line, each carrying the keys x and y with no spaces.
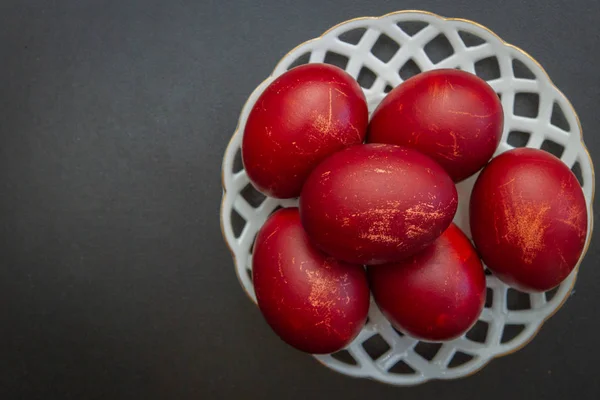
{"x":280,"y":267}
{"x":414,"y":231}
{"x":340,"y":92}
{"x":456,"y":112}
{"x":355,"y":129}
{"x":381,"y":171}
{"x":324,"y":290}
{"x":562,"y":257}
{"x":271,"y":234}
{"x":426,"y":211}
{"x":496,"y":228}
{"x":510,"y":182}
{"x":525,"y":222}
{"x":454,"y":148}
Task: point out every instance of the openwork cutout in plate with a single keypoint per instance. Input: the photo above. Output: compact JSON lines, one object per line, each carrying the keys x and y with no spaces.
{"x":381,"y":53}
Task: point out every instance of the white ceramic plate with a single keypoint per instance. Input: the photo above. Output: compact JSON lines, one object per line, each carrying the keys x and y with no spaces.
{"x":381,"y":53}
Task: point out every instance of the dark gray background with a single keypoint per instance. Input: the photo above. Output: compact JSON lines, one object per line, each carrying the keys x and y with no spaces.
{"x":114,"y":279}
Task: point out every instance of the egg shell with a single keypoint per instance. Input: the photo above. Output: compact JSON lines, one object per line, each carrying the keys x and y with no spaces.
{"x":452,"y":116}
{"x":376,"y":203}
{"x":302,"y":117}
{"x":528,"y":219}
{"x":312,"y":301}
{"x":436,"y":295}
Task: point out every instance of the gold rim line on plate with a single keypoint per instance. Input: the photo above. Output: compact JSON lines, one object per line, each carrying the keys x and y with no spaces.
{"x":524,"y":53}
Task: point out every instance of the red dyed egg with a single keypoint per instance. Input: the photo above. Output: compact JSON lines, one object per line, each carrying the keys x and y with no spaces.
{"x":452,"y":116}
{"x":313,"y":302}
{"x":376,"y":203}
{"x":436,"y":295}
{"x":528,"y":219}
{"x":302,"y":117}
